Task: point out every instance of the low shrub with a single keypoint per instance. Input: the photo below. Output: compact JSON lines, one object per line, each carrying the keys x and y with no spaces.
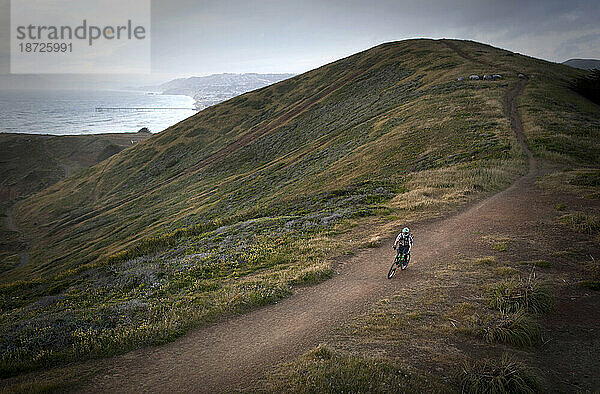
{"x":524,"y":295}
{"x":324,"y":370}
{"x":581,"y":222}
{"x":506,"y":376}
{"x":515,"y":329}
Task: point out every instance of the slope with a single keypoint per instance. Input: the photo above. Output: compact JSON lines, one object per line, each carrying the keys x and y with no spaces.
{"x":260,"y":194}
{"x":584,"y":64}
{"x":255,"y":154}
{"x":236,"y":353}
{"x":31,"y":162}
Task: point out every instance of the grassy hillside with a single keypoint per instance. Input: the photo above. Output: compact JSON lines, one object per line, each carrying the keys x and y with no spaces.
{"x":369,"y":117}
{"x":30,"y":163}
{"x":470,"y":330}
{"x":235,"y":205}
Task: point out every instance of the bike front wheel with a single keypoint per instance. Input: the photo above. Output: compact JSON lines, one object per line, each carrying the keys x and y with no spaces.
{"x":405,"y":262}
{"x":393,"y":269}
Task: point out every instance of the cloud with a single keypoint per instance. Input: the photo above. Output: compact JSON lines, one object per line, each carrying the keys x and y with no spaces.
{"x":296,"y":34}
{"x":580,"y":46}
{"x":4,"y":36}
{"x":202,"y":37}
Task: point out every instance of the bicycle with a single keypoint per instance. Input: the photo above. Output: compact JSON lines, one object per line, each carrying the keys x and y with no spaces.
{"x":401,"y":260}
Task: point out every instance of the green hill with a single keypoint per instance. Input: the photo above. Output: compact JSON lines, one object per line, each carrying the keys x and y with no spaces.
{"x":32,"y":162}
{"x":584,"y":64}
{"x":235,"y":205}
{"x":371,"y":117}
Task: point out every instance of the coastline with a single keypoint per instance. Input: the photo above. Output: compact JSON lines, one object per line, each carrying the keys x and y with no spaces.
{"x":76,"y":112}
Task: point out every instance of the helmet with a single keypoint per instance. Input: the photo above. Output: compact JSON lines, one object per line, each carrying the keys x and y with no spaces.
{"x":405,"y":230}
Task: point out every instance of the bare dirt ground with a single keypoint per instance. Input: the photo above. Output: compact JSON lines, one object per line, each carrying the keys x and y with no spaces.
{"x":237,"y":351}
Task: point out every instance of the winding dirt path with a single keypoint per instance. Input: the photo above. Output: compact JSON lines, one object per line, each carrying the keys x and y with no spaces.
{"x":233,"y":353}
{"x":12,"y":226}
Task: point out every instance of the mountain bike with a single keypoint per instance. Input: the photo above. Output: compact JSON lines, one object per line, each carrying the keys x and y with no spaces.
{"x":401,"y":261}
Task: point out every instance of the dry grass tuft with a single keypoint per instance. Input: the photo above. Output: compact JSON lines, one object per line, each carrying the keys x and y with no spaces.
{"x":324,"y":370}
{"x":523,"y":295}
{"x":514,"y":329}
{"x":581,"y":222}
{"x":506,"y":271}
{"x":505,"y":376}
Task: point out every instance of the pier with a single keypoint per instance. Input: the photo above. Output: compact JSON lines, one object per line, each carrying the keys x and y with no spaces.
{"x":102,"y":109}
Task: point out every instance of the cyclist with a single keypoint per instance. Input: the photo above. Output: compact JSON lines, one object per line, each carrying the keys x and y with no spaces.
{"x":404,"y":242}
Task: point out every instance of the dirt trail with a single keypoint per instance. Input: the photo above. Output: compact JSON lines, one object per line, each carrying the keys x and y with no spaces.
{"x":10,"y":219}
{"x":12,"y":226}
{"x":235,"y":352}
{"x":68,"y":169}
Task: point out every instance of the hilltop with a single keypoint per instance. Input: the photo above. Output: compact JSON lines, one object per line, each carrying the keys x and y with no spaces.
{"x":584,"y":64}
{"x":240,"y":204}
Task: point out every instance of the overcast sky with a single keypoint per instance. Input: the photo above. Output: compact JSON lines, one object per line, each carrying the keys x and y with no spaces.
{"x":203,"y":37}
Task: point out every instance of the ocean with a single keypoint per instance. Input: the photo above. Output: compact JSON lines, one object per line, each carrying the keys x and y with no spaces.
{"x":67,"y":112}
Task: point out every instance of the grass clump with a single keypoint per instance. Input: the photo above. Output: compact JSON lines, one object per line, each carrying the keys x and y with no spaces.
{"x":542,"y":263}
{"x":506,"y":376}
{"x":591,"y":284}
{"x":505,"y":271}
{"x":579,"y":182}
{"x":581,"y":222}
{"x":462,"y":310}
{"x":515,"y":296}
{"x":515,"y":329}
{"x":561,"y":206}
{"x":313,"y":274}
{"x":500,"y":246}
{"x":324,"y":370}
{"x":589,"y":178}
{"x":488,"y":260}
{"x":537,"y":263}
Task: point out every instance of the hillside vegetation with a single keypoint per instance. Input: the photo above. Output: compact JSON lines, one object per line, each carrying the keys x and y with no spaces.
{"x":32,"y":162}
{"x":234,"y":206}
{"x":373,"y":117}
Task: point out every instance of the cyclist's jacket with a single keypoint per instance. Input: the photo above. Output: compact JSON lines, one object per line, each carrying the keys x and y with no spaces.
{"x":404,"y":240}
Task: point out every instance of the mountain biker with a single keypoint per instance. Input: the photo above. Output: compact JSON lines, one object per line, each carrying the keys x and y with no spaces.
{"x":404,"y":242}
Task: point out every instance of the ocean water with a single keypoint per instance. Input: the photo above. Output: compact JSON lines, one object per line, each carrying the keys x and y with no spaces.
{"x":67,"y":112}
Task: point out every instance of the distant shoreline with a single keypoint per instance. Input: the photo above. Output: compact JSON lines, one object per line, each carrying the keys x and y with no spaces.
{"x":124,"y":133}
{"x":210,"y":90}
{"x":74,"y":112}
